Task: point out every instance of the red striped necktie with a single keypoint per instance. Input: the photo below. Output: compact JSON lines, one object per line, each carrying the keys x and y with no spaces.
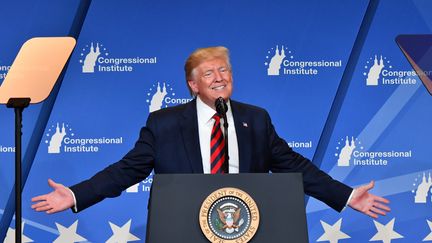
{"x":217,"y":148}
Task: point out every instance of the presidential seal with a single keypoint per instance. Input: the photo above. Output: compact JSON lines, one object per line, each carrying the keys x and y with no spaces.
{"x":229,"y":215}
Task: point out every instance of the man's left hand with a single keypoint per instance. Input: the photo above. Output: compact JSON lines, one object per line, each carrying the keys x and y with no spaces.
{"x":368,"y":203}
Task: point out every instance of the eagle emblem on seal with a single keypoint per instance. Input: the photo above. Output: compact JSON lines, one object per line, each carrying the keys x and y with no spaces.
{"x":230,"y":218}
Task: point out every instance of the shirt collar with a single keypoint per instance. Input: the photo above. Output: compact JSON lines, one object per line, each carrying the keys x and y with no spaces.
{"x":205,"y":112}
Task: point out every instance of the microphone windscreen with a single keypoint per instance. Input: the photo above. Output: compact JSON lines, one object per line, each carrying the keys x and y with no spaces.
{"x":221,"y":106}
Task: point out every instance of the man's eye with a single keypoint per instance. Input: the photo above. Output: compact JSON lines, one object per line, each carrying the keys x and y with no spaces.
{"x":222,"y":70}
{"x":207,"y":74}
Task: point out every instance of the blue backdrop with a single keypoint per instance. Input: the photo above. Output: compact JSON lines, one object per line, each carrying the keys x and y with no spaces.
{"x":330,"y":74}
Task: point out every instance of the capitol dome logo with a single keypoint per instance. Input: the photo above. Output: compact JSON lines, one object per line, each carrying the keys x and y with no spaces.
{"x":276,"y":57}
{"x":57,"y":134}
{"x":157,"y":95}
{"x":375,"y":68}
{"x":162,"y":95}
{"x":422,"y":191}
{"x":345,"y":150}
{"x":90,"y":55}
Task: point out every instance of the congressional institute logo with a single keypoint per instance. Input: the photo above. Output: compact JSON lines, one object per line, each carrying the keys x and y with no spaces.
{"x":61,"y":138}
{"x":94,"y":57}
{"x":281,"y":61}
{"x":229,"y":215}
{"x":378,"y":70}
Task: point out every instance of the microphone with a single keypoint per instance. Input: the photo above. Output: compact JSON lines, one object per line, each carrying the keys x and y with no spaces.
{"x":221,"y":106}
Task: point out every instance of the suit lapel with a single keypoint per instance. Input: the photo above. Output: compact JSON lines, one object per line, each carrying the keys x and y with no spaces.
{"x":243,"y":132}
{"x":189,"y":131}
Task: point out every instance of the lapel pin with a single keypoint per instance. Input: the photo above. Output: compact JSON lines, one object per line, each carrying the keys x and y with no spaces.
{"x":245,"y":124}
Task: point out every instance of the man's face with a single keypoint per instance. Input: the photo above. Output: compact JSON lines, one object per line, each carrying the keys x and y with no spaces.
{"x":212,"y":79}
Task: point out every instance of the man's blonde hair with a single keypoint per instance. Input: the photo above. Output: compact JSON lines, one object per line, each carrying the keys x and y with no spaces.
{"x":201,"y":55}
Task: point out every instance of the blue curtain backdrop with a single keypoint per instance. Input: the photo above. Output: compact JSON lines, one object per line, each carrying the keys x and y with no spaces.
{"x":330,"y":74}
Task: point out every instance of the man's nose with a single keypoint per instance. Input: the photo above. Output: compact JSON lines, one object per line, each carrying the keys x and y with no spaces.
{"x":218,"y":76}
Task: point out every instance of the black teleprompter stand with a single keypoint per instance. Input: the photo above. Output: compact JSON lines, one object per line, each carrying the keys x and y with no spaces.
{"x":18,"y":104}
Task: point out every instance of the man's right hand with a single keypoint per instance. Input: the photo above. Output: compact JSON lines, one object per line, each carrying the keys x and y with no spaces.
{"x":56,"y":201}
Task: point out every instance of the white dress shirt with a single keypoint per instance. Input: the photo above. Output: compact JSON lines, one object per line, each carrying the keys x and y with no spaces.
{"x":205,"y":126}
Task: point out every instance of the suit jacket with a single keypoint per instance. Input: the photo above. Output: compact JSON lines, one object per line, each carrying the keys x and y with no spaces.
{"x":169,"y":143}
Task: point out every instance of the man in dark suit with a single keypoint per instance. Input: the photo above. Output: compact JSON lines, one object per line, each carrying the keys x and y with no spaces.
{"x":181,"y":139}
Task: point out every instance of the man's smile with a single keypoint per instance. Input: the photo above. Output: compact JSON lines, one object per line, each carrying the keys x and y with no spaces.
{"x":219,"y":87}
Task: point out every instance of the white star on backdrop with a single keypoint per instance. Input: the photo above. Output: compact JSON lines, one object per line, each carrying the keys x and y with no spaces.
{"x":429,"y":236}
{"x":68,"y":235}
{"x":10,"y":236}
{"x":332,"y":233}
{"x":121,"y":234}
{"x":385,"y":232}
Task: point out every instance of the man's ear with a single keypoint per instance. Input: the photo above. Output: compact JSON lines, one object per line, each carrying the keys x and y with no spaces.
{"x":193,"y":86}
